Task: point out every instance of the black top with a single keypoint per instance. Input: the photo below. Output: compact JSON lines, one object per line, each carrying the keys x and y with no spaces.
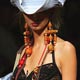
{"x":48,"y":71}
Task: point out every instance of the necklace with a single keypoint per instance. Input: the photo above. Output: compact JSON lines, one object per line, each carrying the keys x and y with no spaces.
{"x":49,"y":40}
{"x":40,"y":62}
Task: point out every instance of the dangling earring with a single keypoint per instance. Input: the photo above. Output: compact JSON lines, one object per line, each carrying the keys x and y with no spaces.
{"x":27,"y":46}
{"x":52,"y":37}
{"x":27,"y":41}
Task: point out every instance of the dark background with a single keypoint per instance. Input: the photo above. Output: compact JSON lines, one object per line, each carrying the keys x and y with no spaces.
{"x":11,"y":37}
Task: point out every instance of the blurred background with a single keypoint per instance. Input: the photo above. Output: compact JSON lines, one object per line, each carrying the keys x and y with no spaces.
{"x":11,"y":37}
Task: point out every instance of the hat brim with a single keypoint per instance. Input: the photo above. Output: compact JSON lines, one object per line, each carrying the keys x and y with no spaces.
{"x":33,"y":6}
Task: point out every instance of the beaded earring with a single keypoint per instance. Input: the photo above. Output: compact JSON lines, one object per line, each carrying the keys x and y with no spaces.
{"x":27,"y":41}
{"x":51,"y":38}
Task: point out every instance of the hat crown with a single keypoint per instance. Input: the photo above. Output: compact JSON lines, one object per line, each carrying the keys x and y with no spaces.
{"x":33,"y":6}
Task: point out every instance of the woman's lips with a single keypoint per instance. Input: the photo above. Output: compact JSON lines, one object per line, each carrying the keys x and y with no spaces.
{"x":34,"y":24}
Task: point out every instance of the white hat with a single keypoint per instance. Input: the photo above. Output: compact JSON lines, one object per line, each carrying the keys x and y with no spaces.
{"x":33,"y":6}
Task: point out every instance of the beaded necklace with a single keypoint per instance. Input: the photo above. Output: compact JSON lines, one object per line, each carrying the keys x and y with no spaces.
{"x":49,"y":40}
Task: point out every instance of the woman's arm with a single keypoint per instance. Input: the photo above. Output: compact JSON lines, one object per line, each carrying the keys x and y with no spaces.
{"x":69,"y":62}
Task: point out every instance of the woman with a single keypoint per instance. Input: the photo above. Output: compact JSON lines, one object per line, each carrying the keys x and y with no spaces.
{"x":44,"y":55}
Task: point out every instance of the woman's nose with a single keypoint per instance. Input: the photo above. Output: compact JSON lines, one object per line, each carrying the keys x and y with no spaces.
{"x":36,"y":18}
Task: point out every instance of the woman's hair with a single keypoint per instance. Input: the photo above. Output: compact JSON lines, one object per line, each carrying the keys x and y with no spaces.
{"x":56,"y":17}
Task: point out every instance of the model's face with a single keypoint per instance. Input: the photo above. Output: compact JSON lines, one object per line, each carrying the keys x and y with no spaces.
{"x":37,"y":21}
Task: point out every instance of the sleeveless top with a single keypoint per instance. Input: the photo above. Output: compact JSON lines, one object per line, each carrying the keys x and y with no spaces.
{"x":48,"y":71}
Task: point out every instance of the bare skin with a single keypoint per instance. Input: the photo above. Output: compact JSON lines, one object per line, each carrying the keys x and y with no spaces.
{"x":65,"y":53}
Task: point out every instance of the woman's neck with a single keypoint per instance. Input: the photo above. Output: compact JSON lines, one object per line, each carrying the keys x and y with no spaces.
{"x":39,"y":37}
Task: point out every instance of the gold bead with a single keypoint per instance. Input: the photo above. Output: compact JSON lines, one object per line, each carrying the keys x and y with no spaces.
{"x":36,"y":70}
{"x":49,"y":24}
{"x":50,"y":47}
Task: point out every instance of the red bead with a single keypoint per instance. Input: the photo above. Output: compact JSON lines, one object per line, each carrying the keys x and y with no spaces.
{"x":21,"y":62}
{"x":19,"y":66}
{"x":27,"y":33}
{"x":23,"y":58}
{"x":46,"y":39}
{"x":26,"y":39}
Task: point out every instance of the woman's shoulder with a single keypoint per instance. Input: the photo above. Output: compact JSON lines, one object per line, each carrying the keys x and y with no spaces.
{"x":65,"y":45}
{"x":67,"y":50}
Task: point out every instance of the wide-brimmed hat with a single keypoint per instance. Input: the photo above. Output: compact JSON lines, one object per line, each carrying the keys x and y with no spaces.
{"x":33,"y":6}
